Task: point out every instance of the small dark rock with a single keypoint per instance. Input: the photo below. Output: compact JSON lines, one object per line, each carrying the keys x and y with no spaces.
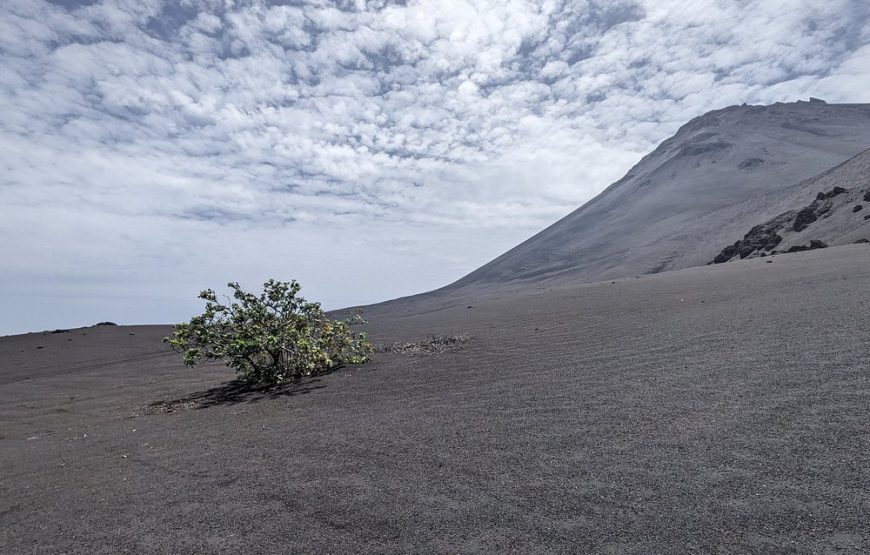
{"x":804,"y":218}
{"x":105,"y":324}
{"x":769,"y":261}
{"x":40,"y":347}
{"x":60,"y":331}
{"x":726,"y":254}
{"x":862,"y":241}
{"x":857,"y":208}
{"x":867,"y":196}
{"x":772,"y":242}
{"x":469,"y":306}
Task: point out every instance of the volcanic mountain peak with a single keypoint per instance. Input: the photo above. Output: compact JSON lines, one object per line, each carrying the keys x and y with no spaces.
{"x":719,"y":175}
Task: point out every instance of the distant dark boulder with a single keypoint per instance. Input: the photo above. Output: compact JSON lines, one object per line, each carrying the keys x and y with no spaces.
{"x":727,"y":253}
{"x":857,"y":208}
{"x":105,"y":324}
{"x":831,"y":194}
{"x":867,"y":196}
{"x":814,"y":244}
{"x":862,"y":241}
{"x":804,"y":218}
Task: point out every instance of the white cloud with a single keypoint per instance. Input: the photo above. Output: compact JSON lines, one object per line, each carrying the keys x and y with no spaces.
{"x":152,"y":148}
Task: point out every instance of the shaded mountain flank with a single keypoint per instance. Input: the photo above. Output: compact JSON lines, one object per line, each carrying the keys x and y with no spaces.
{"x":718,"y":176}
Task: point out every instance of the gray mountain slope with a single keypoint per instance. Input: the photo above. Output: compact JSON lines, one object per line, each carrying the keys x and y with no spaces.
{"x":700,"y":190}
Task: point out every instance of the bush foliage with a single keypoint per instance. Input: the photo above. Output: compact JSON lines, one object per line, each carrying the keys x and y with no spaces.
{"x":271,"y":338}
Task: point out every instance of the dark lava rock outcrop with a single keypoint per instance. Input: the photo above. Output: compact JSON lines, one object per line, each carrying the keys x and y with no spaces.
{"x":804,"y":218}
{"x":763,"y":239}
{"x":820,"y":206}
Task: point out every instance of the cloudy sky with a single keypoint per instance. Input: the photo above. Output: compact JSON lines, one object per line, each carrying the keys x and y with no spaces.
{"x":370,"y":150}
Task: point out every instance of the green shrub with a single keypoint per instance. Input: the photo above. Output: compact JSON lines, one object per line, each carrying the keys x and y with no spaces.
{"x":271,"y":338}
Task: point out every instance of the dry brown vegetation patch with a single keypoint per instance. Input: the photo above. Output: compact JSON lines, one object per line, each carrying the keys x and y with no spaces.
{"x":432,"y":345}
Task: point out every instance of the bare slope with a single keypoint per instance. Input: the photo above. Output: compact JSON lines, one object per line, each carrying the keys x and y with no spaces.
{"x":699,"y":190}
{"x":720,"y":409}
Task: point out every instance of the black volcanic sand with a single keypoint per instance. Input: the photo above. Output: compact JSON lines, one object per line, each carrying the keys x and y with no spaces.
{"x":718,"y":409}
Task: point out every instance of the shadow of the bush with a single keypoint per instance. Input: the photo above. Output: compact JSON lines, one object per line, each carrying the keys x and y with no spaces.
{"x":233,"y":393}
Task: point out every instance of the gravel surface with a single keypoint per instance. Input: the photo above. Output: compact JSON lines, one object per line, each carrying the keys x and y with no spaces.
{"x":721,"y":409}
